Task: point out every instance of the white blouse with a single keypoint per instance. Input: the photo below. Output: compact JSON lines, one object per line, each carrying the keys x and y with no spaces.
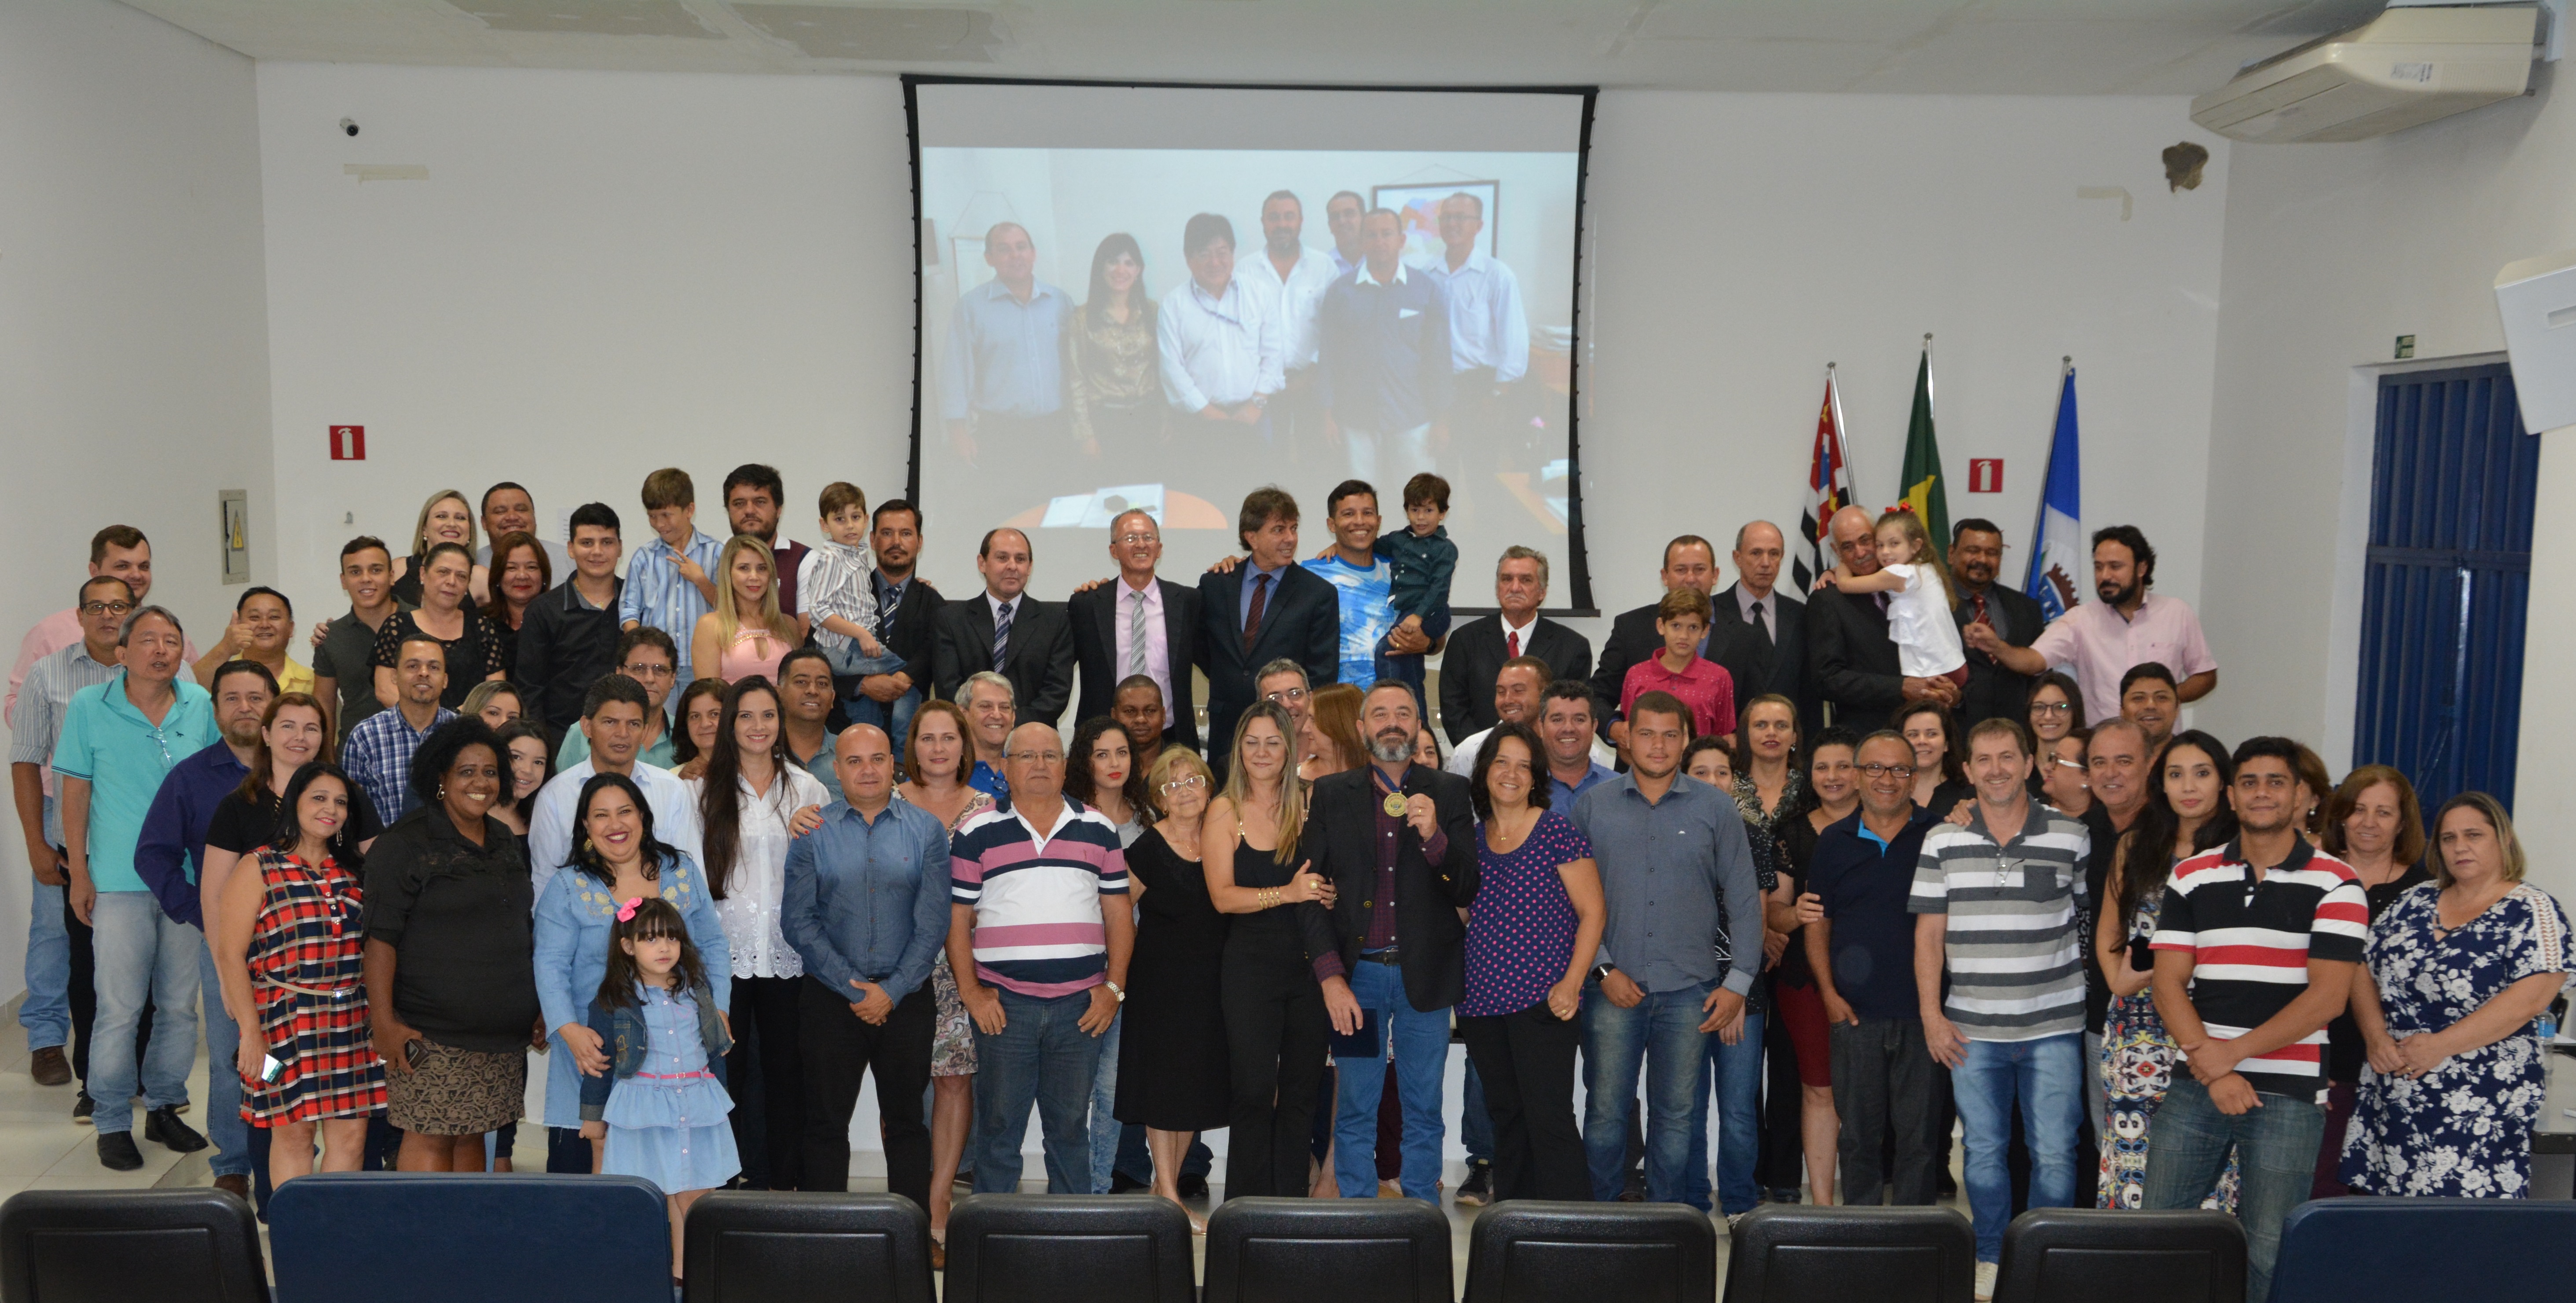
{"x":758,"y":883}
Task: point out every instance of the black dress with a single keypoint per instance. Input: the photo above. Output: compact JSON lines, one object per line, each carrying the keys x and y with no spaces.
{"x":1172,"y":1070}
{"x":1276,"y":1036}
{"x":472,"y":656}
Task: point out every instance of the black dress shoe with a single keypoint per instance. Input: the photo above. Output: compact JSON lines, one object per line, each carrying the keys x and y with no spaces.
{"x":1193,"y":1187}
{"x":116,"y":1151}
{"x":162,"y":1127}
{"x":83,"y":1108}
{"x":1121,"y":1183}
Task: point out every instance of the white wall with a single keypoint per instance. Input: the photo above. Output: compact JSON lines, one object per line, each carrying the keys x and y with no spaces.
{"x":605,"y":273}
{"x":133,"y":355}
{"x":2332,"y":252}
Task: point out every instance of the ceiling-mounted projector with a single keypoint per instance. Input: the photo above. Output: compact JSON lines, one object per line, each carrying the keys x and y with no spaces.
{"x":2407,"y":66}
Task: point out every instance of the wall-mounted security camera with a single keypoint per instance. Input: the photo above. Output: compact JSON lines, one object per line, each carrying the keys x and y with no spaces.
{"x":349,"y":125}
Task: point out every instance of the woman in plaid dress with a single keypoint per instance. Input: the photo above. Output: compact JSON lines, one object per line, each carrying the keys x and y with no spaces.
{"x":288,"y":943}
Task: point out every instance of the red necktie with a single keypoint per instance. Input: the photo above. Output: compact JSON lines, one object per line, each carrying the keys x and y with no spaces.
{"x":1511,"y":644}
{"x":1978,"y":600}
{"x":1252,"y":617}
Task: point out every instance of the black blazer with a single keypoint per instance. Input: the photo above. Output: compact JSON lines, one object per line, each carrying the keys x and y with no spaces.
{"x":1632,"y":640}
{"x":1851,"y":661}
{"x":1039,"y":661}
{"x":1094,"y":616}
{"x":1778,"y":664}
{"x":915,"y":633}
{"x":1475,"y":659}
{"x":1992,"y":690}
{"x":1302,"y":622}
{"x":1340,"y":838}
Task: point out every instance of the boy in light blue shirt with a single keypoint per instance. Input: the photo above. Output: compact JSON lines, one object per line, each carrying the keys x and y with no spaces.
{"x":667,"y":583}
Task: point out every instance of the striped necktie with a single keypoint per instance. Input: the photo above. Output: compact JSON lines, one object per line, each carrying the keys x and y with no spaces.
{"x":1136,"y":632}
{"x":889,"y":597}
{"x":1001,"y":635}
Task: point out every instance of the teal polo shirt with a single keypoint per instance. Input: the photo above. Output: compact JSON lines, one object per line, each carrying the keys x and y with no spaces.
{"x":123,"y":756}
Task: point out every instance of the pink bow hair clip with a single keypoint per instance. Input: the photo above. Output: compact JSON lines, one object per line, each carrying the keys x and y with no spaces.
{"x":626,"y":912}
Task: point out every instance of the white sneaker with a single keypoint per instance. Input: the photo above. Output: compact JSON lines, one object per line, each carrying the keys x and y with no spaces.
{"x":1986,"y":1280}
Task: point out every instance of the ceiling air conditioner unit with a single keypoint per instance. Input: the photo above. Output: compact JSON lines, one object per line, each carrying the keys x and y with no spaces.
{"x":2406,"y":67}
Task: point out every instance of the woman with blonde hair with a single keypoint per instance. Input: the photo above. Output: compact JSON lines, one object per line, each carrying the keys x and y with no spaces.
{"x":1329,"y":740}
{"x":2456,"y":974}
{"x":445,"y":518}
{"x":746,"y":633}
{"x":1276,"y":1027}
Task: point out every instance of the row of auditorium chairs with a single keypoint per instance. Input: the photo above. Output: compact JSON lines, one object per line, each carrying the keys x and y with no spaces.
{"x":396,"y":1238}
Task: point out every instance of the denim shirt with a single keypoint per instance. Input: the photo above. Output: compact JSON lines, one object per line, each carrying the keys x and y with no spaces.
{"x":624,"y":1038}
{"x":868,"y":900}
{"x":574,"y":919}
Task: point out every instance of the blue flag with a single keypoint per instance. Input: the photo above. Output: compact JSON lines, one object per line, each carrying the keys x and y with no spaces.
{"x":2057,"y":542}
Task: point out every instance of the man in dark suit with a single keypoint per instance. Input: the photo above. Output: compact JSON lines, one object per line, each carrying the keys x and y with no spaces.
{"x":1478,"y":648}
{"x":907,"y":623}
{"x":1689,"y":562}
{"x":1107,"y":621}
{"x":1399,"y":881}
{"x":1764,"y":630}
{"x":1268,"y":607}
{"x":1993,"y":689}
{"x":1007,"y":631}
{"x":1851,"y":659}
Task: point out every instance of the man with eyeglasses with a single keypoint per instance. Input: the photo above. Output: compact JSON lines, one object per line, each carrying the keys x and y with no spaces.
{"x":1283,"y":683}
{"x":61,"y":993}
{"x":1993,"y":689}
{"x":1998,"y":904}
{"x":651,"y":658}
{"x":1137,"y":624}
{"x":119,"y":740}
{"x":118,"y":551}
{"x":569,"y":637}
{"x":1040,"y":955}
{"x":2117,"y":770}
{"x":1862,"y":956}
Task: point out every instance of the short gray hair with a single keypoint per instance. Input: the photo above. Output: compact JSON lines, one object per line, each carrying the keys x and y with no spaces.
{"x":125,"y":631}
{"x":1516,"y":552}
{"x":1283,"y":665}
{"x":966,"y":690}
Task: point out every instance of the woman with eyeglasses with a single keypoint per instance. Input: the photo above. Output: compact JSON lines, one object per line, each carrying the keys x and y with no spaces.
{"x":938,"y":759}
{"x":2056,"y":710}
{"x":1173,"y":1075}
{"x":2186,"y":813}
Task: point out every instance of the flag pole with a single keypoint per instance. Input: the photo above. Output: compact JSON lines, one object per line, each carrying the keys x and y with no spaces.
{"x":1842,"y":441}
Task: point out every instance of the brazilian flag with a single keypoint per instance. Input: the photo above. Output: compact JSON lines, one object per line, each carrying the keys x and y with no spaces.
{"x":1921,"y":477}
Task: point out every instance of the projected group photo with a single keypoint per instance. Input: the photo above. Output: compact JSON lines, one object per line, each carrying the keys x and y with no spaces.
{"x":1171,"y":328}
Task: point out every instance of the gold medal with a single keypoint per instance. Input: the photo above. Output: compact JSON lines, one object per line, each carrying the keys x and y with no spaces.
{"x":1395,"y":805}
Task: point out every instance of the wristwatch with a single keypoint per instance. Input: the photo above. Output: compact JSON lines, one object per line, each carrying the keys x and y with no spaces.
{"x":1115,"y":989}
{"x":1602,"y":972}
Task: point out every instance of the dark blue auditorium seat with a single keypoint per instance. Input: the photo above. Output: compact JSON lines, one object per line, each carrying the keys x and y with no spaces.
{"x":428,"y":1237}
{"x":2364,"y":1250}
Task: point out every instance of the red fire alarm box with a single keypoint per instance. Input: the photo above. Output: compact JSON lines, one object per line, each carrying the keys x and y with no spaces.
{"x":1985,"y":475}
{"x":348,"y":443}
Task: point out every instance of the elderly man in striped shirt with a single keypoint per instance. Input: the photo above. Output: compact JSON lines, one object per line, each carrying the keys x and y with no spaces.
{"x":1998,"y":903}
{"x":1041,"y":966}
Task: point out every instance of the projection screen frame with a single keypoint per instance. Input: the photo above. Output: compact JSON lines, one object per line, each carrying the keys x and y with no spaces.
{"x":1577,"y":566}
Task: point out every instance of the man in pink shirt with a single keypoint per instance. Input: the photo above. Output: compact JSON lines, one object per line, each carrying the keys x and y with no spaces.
{"x":2127,"y":627}
{"x":119,"y":551}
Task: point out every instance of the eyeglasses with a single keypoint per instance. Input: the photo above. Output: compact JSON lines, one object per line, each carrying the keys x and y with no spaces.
{"x":644,"y":670}
{"x":2076,"y":765}
{"x":1178,"y":784}
{"x":2052,"y":707}
{"x":1874,"y":771}
{"x":1035,"y":757}
{"x":1283,"y":698}
{"x":106,"y":608}
{"x":1125,"y":539}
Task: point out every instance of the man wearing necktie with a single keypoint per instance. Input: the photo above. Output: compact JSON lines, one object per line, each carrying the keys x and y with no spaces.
{"x":1138,"y":624}
{"x":1479,"y":648}
{"x":1994,"y":690}
{"x":1758,"y":632}
{"x":1268,"y":608}
{"x":1008,"y":632}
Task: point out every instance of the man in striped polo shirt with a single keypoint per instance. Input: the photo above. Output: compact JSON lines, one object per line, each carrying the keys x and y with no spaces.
{"x":2255,"y":951}
{"x":1040,"y":965}
{"x":1997,"y":902}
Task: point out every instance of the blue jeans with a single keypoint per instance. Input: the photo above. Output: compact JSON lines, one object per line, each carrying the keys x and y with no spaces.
{"x":224,"y":1125}
{"x":2047,"y":1078}
{"x":47,"y":1011}
{"x":1421,"y":1060}
{"x":1408,"y":668}
{"x":2276,"y":1155}
{"x":1475,"y":1126}
{"x":895,"y":716}
{"x":143,"y":956}
{"x":1662,"y":1034}
{"x":1736,"y":1075}
{"x":1040,"y":1056}
{"x":1105,"y":1129}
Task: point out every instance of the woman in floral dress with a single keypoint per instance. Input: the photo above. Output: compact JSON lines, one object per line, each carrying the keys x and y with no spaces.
{"x":2458,"y":969}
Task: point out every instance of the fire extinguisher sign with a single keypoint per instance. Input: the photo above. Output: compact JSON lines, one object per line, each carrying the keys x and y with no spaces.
{"x":348,"y":443}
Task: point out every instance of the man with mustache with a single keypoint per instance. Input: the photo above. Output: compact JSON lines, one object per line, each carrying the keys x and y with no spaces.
{"x":1993,"y":689}
{"x":2128,"y":626}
